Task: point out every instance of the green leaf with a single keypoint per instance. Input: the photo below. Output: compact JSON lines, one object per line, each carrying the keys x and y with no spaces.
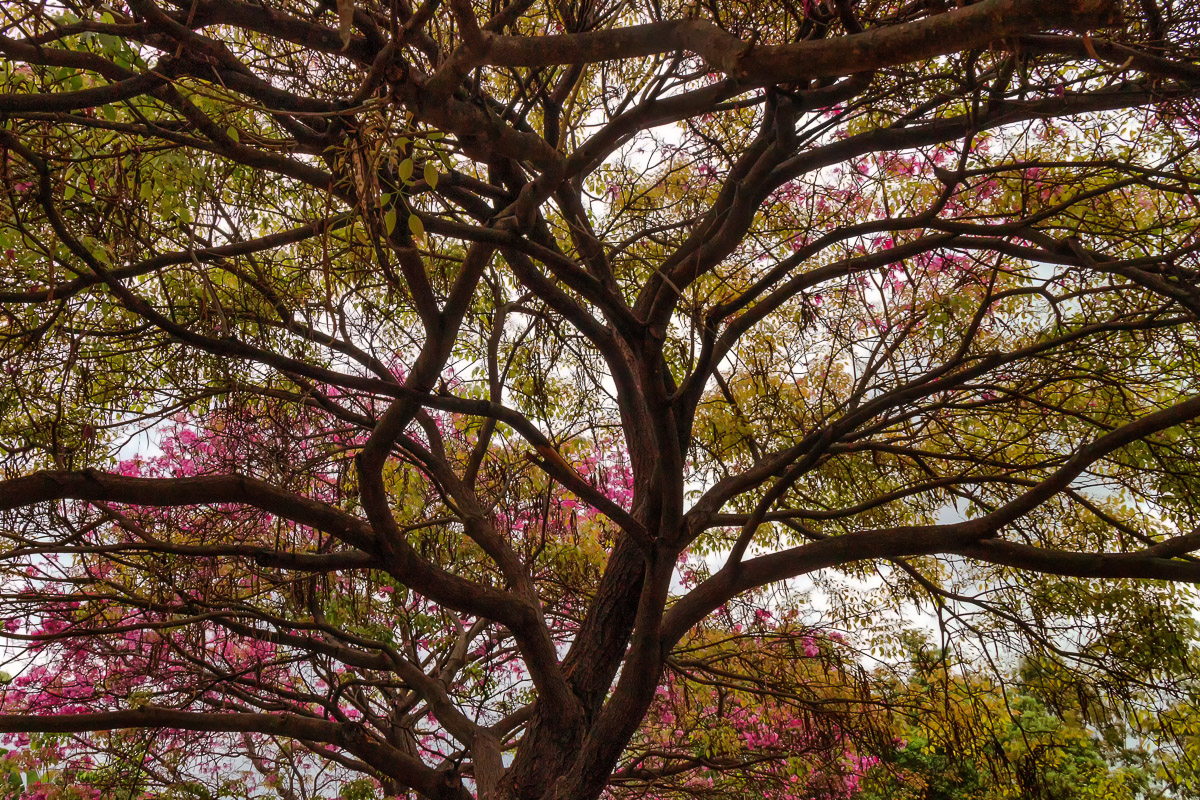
{"x":415,"y":225}
{"x":431,"y":175}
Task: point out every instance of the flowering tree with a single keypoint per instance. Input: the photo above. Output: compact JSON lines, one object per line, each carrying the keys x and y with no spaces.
{"x":511,"y":399}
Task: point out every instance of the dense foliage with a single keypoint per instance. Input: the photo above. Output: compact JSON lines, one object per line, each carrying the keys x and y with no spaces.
{"x":599,"y":398}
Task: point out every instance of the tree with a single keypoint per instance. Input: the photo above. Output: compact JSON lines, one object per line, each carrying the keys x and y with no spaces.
{"x":965,"y":733}
{"x":526,"y":350}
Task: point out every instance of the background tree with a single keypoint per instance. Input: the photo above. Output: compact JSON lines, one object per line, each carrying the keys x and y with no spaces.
{"x":1037,"y":732}
{"x":526,"y":350}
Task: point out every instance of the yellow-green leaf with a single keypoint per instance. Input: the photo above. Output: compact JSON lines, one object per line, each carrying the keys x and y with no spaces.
{"x":405,"y":170}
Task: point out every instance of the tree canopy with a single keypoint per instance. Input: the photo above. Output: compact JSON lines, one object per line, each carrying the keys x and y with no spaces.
{"x":563,"y":399}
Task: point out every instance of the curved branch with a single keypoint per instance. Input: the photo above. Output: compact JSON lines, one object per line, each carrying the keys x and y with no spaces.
{"x":387,"y":759}
{"x":739,"y":577}
{"x":962,"y":28}
{"x":94,"y":486}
